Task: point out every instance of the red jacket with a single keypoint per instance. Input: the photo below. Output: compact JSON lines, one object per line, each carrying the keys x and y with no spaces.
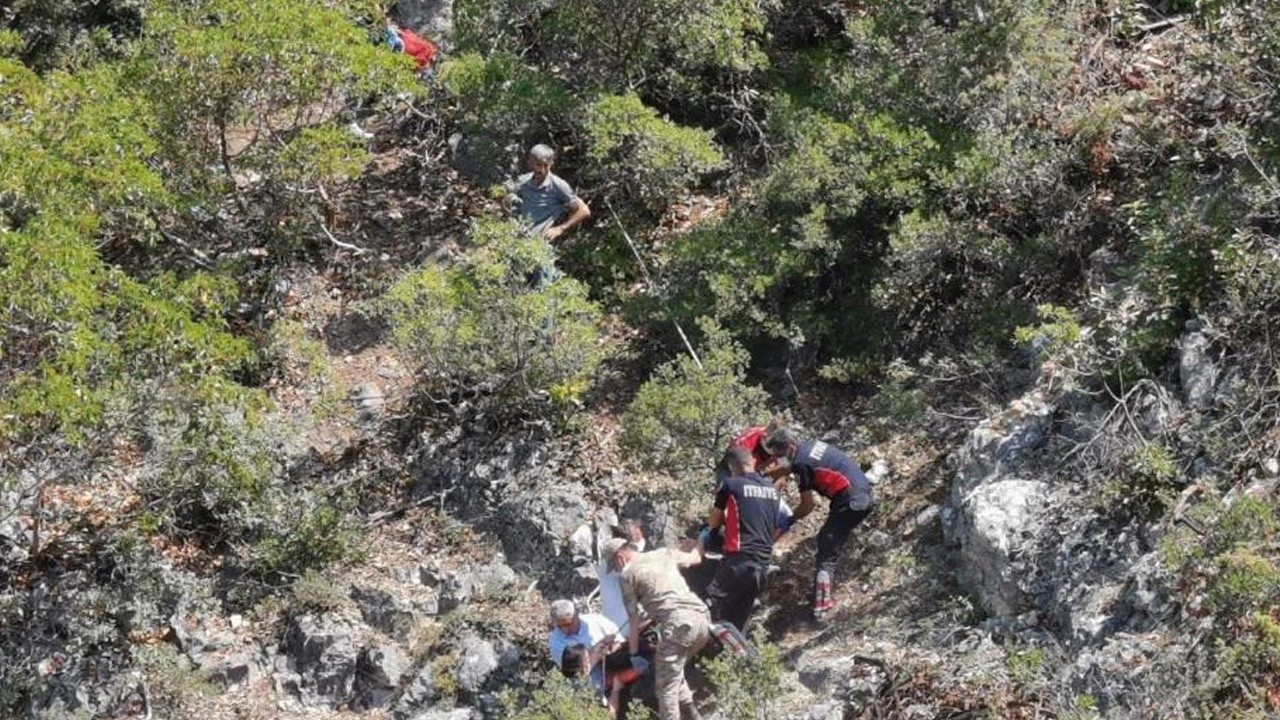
{"x":422,"y":49}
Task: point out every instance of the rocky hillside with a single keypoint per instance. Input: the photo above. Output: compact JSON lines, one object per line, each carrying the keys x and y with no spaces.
{"x":287,"y":432}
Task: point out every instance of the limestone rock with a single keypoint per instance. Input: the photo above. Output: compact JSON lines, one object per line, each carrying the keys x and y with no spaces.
{"x":378,"y":675}
{"x":995,"y":446}
{"x":433,"y":19}
{"x":821,"y":672}
{"x":454,"y":714}
{"x":1197,"y":370}
{"x":535,"y":524}
{"x":997,"y":522}
{"x":324,"y":657}
{"x":381,"y":610}
{"x":233,"y":673}
{"x":478,"y":661}
{"x":420,"y":694}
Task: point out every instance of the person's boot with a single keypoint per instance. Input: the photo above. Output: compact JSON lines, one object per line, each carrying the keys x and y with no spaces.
{"x":689,"y":711}
{"x":822,"y":600}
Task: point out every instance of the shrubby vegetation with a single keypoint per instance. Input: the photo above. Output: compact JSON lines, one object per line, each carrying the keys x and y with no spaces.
{"x":901,"y":187}
{"x":484,"y":328}
{"x":684,"y":416}
{"x":748,"y":688}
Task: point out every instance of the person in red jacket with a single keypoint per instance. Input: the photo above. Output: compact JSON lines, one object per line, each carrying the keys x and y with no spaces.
{"x":753,"y":439}
{"x":422,"y":50}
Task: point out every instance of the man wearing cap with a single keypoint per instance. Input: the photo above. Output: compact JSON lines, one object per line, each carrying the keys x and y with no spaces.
{"x":611,"y":604}
{"x":824,"y":469}
{"x":653,"y":582}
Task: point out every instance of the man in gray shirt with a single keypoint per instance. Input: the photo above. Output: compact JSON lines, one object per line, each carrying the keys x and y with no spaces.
{"x":546,"y":202}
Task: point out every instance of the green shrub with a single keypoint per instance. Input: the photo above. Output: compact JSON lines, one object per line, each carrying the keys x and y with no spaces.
{"x":647,"y":157}
{"x":604,"y":46}
{"x":748,"y":688}
{"x":313,"y":593}
{"x":304,"y":537}
{"x":503,"y":100}
{"x":1249,"y":670}
{"x":482,"y":328}
{"x":1148,"y":480}
{"x":1246,"y":581}
{"x":683,"y":417}
{"x":173,"y":682}
{"x":1024,"y":666}
{"x":1058,"y":330}
{"x":734,"y":271}
{"x":939,"y":278}
{"x":558,"y":699}
{"x":252,"y":88}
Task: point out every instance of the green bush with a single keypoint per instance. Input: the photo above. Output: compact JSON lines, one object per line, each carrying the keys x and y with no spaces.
{"x":314,"y":593}
{"x":1249,"y":660}
{"x":683,"y":417}
{"x":748,"y":688}
{"x":647,"y":157}
{"x":482,"y":328}
{"x":173,"y":682}
{"x":605,"y":46}
{"x":255,"y":89}
{"x":558,"y":699}
{"x":503,"y":101}
{"x":1247,"y":581}
{"x":1147,"y":481}
{"x":940,"y":277}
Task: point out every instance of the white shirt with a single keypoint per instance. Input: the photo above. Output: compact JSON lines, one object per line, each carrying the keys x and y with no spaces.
{"x":611,"y":605}
{"x":592,"y":628}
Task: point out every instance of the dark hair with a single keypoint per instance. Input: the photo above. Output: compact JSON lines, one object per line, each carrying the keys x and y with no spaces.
{"x":778,"y":440}
{"x":737,"y":458}
{"x":571,"y":660}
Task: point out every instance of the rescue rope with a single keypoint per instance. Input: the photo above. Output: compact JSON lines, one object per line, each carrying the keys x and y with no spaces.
{"x":644,"y":270}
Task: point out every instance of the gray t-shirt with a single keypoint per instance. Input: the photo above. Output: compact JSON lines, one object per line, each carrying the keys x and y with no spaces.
{"x":542,"y":205}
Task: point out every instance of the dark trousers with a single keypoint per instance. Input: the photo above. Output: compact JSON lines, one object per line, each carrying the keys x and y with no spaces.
{"x":732,"y":594}
{"x":835,"y":531}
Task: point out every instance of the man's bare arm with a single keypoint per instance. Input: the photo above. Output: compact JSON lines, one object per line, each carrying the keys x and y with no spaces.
{"x":806,"y":505}
{"x":578,"y":212}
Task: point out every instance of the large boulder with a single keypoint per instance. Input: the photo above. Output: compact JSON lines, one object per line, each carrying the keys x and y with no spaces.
{"x":420,"y":695}
{"x":483,"y":664}
{"x":324,"y":657}
{"x":999,"y":525}
{"x":1197,"y":369}
{"x":992,"y":511}
{"x":535,"y":525}
{"x":380,"y":609}
{"x":1000,"y":443}
{"x":378,"y":675}
{"x":450,"y":714}
{"x":430,"y":18}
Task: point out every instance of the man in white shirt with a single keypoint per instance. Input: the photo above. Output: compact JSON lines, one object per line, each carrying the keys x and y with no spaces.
{"x":595,"y":632}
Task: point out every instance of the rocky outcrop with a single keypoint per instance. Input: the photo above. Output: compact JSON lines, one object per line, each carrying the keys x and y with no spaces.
{"x":379,"y":673}
{"x":1197,"y":369}
{"x":430,"y":18}
{"x":992,"y":514}
{"x":535,"y":525}
{"x":323,"y":657}
{"x":999,"y":525}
